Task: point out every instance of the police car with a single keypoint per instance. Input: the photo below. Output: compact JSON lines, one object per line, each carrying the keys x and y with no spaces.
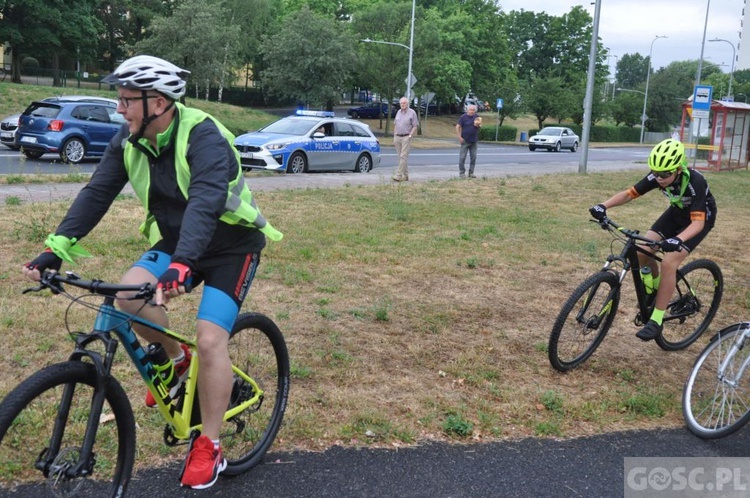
{"x":310,"y":141}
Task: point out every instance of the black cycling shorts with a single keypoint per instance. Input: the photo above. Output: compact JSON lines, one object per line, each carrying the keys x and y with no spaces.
{"x":672,"y":222}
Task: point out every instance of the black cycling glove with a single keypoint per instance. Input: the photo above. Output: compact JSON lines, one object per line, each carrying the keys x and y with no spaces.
{"x":48,"y":260}
{"x":673,"y":244}
{"x":599,"y":212}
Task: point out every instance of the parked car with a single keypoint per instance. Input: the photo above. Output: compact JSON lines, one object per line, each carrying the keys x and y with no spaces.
{"x":8,"y":129}
{"x":74,"y":127}
{"x":554,"y":138}
{"x":310,"y":141}
{"x":372,"y":110}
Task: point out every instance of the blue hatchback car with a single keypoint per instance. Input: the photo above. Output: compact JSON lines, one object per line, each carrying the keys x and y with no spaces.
{"x":73,"y":127}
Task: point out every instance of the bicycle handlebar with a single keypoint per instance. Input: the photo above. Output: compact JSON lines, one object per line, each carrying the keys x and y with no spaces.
{"x":608,"y":224}
{"x":54,"y":280}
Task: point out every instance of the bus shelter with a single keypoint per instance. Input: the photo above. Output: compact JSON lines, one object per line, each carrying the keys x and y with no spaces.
{"x":726,"y":131}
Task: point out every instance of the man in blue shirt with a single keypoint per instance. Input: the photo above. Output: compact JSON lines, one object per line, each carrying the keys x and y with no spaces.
{"x":467,"y":128}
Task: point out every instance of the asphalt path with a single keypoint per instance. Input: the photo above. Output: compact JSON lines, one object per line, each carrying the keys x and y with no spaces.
{"x":582,"y":467}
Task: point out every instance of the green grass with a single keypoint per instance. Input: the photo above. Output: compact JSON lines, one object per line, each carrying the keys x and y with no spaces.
{"x":415,"y":313}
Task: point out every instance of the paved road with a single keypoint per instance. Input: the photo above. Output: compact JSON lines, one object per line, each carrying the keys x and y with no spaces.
{"x":419,"y":173}
{"x":584,"y":467}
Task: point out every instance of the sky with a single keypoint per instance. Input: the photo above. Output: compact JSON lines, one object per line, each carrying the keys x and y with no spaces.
{"x":629,"y":26}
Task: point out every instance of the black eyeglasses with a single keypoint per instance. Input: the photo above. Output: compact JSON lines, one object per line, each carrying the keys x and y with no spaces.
{"x":125,"y":101}
{"x":663,"y":174}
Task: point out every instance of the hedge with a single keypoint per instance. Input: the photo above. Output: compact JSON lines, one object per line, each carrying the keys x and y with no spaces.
{"x":603,"y":133}
{"x":504,"y":133}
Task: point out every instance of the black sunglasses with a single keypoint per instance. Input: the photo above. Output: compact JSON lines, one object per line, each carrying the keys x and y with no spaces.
{"x":663,"y":174}
{"x":125,"y":101}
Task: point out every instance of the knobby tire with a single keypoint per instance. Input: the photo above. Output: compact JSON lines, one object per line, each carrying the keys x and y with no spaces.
{"x":27,"y":418}
{"x":583,"y":321}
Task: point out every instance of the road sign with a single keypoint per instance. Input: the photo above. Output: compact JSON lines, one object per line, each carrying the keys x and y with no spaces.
{"x":499,"y":104}
{"x":702,"y":100}
{"x":412,"y":80}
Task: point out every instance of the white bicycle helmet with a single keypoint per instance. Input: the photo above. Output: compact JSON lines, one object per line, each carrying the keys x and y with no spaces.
{"x":145,"y":72}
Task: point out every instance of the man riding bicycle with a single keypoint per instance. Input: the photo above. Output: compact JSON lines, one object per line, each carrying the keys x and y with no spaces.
{"x":201,"y":222}
{"x":685,"y":223}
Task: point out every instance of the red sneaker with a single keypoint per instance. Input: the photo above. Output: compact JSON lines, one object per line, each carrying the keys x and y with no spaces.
{"x":203,"y":465}
{"x":181,"y":369}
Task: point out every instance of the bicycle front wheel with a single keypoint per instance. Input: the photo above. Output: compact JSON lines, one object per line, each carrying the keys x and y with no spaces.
{"x":584,"y":320}
{"x":700,"y":286}
{"x":257,"y":347}
{"x":31,"y":455}
{"x":717,"y":403}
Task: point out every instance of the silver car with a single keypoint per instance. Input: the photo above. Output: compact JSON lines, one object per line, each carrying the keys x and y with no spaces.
{"x":554,"y":138}
{"x":8,"y":130}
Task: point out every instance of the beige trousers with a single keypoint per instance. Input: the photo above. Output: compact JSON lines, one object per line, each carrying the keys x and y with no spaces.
{"x":402,"y":145}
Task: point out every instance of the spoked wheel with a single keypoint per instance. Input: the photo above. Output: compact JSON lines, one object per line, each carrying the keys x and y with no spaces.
{"x":257,"y":348}
{"x":700,"y":286}
{"x":29,"y":453}
{"x":584,"y":320}
{"x":715,"y":402}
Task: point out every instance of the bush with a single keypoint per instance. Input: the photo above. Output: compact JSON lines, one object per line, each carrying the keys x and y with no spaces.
{"x":602,"y":133}
{"x":30,"y":62}
{"x":504,"y":133}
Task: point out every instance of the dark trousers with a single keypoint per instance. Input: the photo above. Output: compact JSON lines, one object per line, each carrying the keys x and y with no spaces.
{"x":471,"y":148}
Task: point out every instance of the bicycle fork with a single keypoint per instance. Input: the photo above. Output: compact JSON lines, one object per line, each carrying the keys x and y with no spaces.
{"x":738,"y":344}
{"x":51,"y":461}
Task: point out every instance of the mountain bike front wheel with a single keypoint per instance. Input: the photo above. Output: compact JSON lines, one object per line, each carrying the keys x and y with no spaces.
{"x":257,"y":347}
{"x":716,"y":403}
{"x":584,"y":320}
{"x":700,"y":286}
{"x":31,"y":453}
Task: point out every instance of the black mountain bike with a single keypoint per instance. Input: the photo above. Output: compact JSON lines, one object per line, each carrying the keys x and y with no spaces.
{"x":71,"y":424}
{"x":588,"y":313}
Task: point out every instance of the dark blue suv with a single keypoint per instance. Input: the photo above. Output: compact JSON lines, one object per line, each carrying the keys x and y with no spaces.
{"x":74,"y":127}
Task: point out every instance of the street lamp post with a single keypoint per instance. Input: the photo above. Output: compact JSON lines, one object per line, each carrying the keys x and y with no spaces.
{"x":645,"y":94}
{"x":409,"y":47}
{"x":614,"y":79}
{"x":731,"y":70}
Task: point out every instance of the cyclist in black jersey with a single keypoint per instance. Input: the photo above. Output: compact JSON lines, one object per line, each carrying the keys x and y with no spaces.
{"x":686,"y":222}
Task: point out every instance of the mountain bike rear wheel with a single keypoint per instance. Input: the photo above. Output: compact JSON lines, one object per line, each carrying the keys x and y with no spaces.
{"x":257,"y":347}
{"x":700,"y":286}
{"x":715,"y":405}
{"x":27,"y":420}
{"x":584,"y":320}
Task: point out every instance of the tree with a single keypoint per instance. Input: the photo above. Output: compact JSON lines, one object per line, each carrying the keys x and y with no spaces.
{"x":124,"y":23}
{"x":626,"y":108}
{"x":670,"y":86}
{"x":382,"y":67}
{"x":546,"y":97}
{"x":50,"y":29}
{"x":200,"y":36}
{"x":308,"y":60}
{"x":631,"y":71}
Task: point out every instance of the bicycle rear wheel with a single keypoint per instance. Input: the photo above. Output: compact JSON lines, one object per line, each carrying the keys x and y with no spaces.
{"x":584,"y":320}
{"x":716,"y":405}
{"x":27,"y":419}
{"x":700,"y":286}
{"x":257,"y":347}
